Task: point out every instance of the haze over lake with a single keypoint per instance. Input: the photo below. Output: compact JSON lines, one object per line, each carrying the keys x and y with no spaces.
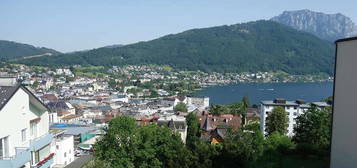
{"x":267,"y":91}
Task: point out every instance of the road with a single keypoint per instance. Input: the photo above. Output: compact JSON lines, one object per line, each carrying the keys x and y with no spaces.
{"x":78,"y":163}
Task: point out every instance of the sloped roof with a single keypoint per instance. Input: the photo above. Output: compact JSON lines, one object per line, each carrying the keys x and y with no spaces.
{"x":207,"y":125}
{"x":6,"y":93}
{"x":172,"y":124}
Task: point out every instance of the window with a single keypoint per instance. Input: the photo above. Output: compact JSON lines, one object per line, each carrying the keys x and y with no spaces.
{"x":288,"y":107}
{"x":23,"y":135}
{"x":4,"y":147}
{"x":57,"y":147}
{"x":295,"y":107}
{"x":33,"y":127}
{"x":65,"y":154}
{"x":37,"y":157}
{"x":295,"y":113}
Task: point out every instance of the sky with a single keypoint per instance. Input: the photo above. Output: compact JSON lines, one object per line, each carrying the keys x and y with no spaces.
{"x":72,"y":25}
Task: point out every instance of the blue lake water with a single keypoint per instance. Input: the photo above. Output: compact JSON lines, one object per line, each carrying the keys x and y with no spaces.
{"x":267,"y":91}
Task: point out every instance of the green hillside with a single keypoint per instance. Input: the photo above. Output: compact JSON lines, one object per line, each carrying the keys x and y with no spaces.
{"x":248,"y":47}
{"x":11,"y":50}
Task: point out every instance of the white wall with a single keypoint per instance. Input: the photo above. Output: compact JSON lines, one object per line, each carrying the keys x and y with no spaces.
{"x":290,"y":109}
{"x":61,"y":146}
{"x":344,"y":137}
{"x":16,"y":115}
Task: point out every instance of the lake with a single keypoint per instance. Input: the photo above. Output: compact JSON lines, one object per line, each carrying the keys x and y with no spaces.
{"x":267,"y":91}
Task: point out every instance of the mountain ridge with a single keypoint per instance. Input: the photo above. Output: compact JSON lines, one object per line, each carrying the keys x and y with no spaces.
{"x":247,"y":47}
{"x":10,"y":50}
{"x":325,"y":26}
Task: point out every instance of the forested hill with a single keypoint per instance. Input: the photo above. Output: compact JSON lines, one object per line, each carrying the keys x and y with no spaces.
{"x":248,"y":47}
{"x":11,"y":50}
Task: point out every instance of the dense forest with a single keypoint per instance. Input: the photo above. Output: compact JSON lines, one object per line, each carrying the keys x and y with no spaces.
{"x":247,"y":47}
{"x":11,"y":50}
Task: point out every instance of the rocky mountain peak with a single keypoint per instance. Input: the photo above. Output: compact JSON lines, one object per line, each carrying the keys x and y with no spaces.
{"x":326,"y":26}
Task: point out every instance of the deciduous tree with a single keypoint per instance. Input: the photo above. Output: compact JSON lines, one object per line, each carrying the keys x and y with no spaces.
{"x":277,"y":121}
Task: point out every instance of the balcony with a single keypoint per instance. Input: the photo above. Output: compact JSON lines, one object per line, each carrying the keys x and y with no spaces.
{"x":23,"y":155}
{"x":45,"y":163}
{"x":40,"y":142}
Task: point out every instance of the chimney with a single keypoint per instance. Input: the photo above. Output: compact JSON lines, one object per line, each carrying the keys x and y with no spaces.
{"x":300,"y":101}
{"x":280,"y":101}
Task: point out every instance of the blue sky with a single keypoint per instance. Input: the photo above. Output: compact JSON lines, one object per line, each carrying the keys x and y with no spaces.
{"x":69,"y":25}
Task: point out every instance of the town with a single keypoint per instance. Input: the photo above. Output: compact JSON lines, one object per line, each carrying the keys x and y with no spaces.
{"x":63,"y":112}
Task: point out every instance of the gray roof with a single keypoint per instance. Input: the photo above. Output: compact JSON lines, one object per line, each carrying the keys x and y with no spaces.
{"x":174,"y":125}
{"x":293,"y":103}
{"x":321,"y":104}
{"x":207,"y":125}
{"x":6,"y":92}
{"x":271,"y":102}
{"x":77,"y":130}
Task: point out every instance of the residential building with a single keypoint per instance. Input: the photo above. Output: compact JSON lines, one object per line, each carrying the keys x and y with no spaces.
{"x":293,"y":109}
{"x":214,"y":127}
{"x":24,"y":137}
{"x":63,"y":146}
{"x":175,"y":123}
{"x":200,"y":102}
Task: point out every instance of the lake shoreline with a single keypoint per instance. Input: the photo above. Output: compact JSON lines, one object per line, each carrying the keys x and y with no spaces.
{"x":225,"y":94}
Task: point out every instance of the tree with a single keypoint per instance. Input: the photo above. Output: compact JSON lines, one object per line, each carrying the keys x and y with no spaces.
{"x":112,"y":83}
{"x":127,"y":145}
{"x":202,"y":152}
{"x":160,"y":147}
{"x":118,"y":145}
{"x":313,"y":128}
{"x":277,"y":121}
{"x":242,"y":148}
{"x":69,"y":79}
{"x":193,"y":130}
{"x":35,"y":84}
{"x":243,"y":108}
{"x":278,"y":143}
{"x":328,"y":100}
{"x":245,"y":101}
{"x":276,"y":147}
{"x":235,"y":108}
{"x":180,"y":107}
{"x":219,"y":109}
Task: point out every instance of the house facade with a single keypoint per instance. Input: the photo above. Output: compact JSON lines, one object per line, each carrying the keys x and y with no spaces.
{"x":176,"y":124}
{"x":24,"y":139}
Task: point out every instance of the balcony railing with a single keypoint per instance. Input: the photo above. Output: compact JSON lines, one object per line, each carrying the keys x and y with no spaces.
{"x":46,"y":162}
{"x":23,"y":155}
{"x":40,"y":142}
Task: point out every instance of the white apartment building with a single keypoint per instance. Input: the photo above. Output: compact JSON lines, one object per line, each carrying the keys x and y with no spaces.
{"x":63,"y":146}
{"x":293,"y":109}
{"x":24,"y":137}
